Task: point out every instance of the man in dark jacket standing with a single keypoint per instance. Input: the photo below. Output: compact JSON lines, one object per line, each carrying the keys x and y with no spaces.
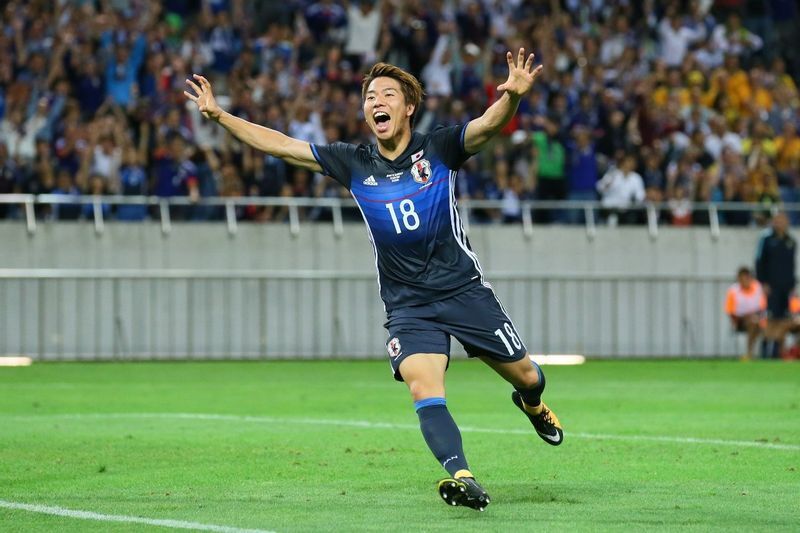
{"x":775,"y":268}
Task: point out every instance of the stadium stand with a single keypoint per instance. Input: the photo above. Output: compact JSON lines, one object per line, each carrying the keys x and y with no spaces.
{"x":702,"y":94}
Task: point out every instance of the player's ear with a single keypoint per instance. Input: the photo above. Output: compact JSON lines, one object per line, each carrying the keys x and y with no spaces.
{"x":410,"y":109}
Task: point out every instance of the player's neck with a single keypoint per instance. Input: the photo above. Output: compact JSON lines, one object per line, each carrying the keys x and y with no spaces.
{"x":392,"y":148}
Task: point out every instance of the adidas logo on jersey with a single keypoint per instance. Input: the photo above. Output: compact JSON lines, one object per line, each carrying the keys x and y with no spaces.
{"x":370,"y":181}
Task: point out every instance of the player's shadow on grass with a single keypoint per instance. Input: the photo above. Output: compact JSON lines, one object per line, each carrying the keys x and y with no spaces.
{"x":535,"y":493}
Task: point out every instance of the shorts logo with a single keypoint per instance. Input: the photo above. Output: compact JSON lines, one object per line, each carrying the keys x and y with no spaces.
{"x":394,"y":348}
{"x":421,"y":171}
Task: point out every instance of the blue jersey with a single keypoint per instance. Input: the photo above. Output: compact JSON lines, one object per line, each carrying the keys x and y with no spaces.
{"x":421,"y":251}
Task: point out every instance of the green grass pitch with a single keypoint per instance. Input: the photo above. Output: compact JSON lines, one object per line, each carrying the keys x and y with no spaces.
{"x":333,"y":446}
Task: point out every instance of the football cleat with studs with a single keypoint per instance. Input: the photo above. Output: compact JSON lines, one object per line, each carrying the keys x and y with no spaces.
{"x":545,"y":423}
{"x":463,"y":491}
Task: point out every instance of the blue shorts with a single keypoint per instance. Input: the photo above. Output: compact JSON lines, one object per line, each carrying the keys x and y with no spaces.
{"x":474,"y":317}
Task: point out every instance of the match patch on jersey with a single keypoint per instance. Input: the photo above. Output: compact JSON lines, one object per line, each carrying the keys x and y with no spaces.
{"x":370,"y":181}
{"x":393,"y":347}
{"x":421,"y":171}
{"x":416,"y":157}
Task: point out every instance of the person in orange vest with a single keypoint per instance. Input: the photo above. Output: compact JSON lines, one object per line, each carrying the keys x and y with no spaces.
{"x":746,"y":304}
{"x":794,"y":304}
{"x":792,"y":326}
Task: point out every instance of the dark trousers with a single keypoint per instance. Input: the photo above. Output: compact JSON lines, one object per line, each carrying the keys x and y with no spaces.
{"x":550,"y":189}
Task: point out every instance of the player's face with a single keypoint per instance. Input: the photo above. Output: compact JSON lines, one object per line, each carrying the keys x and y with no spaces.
{"x":385,"y":109}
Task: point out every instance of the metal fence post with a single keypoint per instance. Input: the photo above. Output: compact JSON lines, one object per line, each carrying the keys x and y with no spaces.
{"x":97,"y":212}
{"x":163,"y":209}
{"x":230,"y":218}
{"x":30,"y":216}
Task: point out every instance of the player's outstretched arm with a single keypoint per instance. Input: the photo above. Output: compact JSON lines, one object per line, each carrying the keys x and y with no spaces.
{"x":275,"y":143}
{"x":521,"y":76}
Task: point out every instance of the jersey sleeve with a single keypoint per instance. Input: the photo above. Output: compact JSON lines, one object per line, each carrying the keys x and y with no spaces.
{"x":336,"y":160}
{"x":449,"y":143}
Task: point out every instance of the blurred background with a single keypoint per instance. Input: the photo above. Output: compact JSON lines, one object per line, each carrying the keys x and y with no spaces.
{"x":611,"y":214}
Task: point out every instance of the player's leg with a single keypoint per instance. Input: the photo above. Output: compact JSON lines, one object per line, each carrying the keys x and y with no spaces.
{"x":528,"y":381}
{"x":477,"y":319}
{"x":424,"y":375}
{"x":419,"y":352}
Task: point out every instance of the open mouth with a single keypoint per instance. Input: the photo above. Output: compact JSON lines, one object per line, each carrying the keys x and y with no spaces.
{"x":382,"y":120}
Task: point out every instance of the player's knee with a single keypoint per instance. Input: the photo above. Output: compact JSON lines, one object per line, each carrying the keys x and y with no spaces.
{"x":528,"y":379}
{"x":421,"y":390}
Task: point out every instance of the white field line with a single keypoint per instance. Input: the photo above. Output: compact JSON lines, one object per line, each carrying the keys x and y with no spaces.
{"x":89,"y":515}
{"x":388,"y":425}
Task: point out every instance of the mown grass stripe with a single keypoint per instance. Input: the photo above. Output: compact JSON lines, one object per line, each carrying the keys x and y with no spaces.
{"x":389,"y":425}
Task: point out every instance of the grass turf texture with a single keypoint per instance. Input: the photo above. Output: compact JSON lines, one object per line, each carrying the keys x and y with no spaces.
{"x":290,"y":475}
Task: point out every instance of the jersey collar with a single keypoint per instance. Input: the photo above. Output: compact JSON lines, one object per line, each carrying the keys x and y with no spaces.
{"x":413,"y":146}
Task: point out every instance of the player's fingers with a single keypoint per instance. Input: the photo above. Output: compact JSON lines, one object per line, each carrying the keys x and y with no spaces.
{"x":199,"y":79}
{"x":521,"y":57}
{"x":205,"y":83}
{"x":510,"y":59}
{"x":537,"y":71}
{"x":194,"y":86}
{"x":529,"y":62}
{"x":501,"y":87}
{"x":190,"y":96}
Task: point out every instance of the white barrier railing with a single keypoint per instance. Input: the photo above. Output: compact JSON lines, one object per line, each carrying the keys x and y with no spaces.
{"x":587,"y":210}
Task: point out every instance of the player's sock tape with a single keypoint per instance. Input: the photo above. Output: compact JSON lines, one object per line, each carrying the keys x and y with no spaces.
{"x":427,"y":402}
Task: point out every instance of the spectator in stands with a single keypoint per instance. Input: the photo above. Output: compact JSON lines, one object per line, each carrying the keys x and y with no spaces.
{"x":20,"y":134}
{"x":513,"y":194}
{"x":654,"y":182}
{"x":549,"y":162}
{"x":583,"y":171}
{"x":176,"y":174}
{"x":676,"y":37}
{"x":622,"y":191}
{"x":133,"y":182}
{"x":363,"y":28}
{"x":65,"y":187}
{"x":98,"y":186}
{"x":733,"y":38}
{"x":122,"y":65}
{"x":775,"y":269}
{"x":746,"y":305}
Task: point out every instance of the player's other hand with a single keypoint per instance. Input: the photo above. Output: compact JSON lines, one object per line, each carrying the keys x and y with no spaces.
{"x":203,"y":97}
{"x":520,"y":74}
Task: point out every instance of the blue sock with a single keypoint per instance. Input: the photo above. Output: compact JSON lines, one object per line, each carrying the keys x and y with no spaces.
{"x":533,"y":397}
{"x":441,"y":434}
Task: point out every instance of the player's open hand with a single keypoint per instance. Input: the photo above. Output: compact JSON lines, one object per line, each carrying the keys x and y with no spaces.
{"x":520,"y":74}
{"x":203,"y":97}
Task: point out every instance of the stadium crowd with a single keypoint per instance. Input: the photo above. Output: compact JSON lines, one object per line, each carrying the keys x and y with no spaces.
{"x":662,"y":101}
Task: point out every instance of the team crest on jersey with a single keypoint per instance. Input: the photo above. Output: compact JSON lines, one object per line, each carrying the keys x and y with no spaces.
{"x":394,"y":348}
{"x":421,"y":171}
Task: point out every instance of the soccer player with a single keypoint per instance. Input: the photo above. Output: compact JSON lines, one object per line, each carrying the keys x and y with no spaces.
{"x":429,"y":278}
